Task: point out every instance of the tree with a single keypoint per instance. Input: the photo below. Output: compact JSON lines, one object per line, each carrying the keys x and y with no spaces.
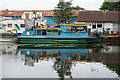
{"x":111,"y":6}
{"x":77,"y":8}
{"x":63,"y":13}
{"x":63,"y":68}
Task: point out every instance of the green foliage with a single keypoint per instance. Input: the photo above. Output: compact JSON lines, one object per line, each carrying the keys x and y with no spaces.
{"x":111,"y":6}
{"x":114,"y":67}
{"x":63,"y":13}
{"x":77,"y":8}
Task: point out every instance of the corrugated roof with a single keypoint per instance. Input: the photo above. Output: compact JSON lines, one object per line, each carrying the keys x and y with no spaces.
{"x":99,"y":16}
{"x":11,"y":13}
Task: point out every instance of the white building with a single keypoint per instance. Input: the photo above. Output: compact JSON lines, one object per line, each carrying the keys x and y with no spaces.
{"x":33,"y":17}
{"x":101,"y":20}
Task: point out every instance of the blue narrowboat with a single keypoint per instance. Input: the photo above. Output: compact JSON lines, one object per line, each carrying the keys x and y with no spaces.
{"x":64,"y":34}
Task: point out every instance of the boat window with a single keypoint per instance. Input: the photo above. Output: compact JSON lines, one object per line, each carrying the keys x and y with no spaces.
{"x":44,"y":32}
{"x":35,"y":32}
{"x":38,"y":32}
{"x":27,"y":33}
{"x":55,"y":30}
{"x":79,"y":29}
{"x":85,"y":28}
{"x":69,"y":29}
{"x":49,"y":31}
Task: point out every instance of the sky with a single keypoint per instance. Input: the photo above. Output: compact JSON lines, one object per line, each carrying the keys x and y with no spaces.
{"x":46,"y":4}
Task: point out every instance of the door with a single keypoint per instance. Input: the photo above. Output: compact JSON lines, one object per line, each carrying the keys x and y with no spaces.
{"x":26,"y":15}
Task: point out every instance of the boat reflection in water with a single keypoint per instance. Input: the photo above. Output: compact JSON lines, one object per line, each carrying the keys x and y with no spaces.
{"x":63,"y":58}
{"x":32,"y":56}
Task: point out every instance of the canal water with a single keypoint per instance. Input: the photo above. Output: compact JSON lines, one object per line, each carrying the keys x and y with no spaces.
{"x":16,"y":62}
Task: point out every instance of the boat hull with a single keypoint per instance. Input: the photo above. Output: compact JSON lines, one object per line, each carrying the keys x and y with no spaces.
{"x":25,"y":40}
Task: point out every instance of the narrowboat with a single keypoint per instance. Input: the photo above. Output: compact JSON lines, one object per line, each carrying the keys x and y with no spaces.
{"x":64,"y":34}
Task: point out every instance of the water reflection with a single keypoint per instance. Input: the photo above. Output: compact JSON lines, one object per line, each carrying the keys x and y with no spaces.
{"x":67,"y":63}
{"x":63,"y":68}
{"x":32,"y":56}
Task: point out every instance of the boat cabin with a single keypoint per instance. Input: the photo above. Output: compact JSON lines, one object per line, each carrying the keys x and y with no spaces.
{"x":75,"y":28}
{"x":65,"y":30}
{"x":43,"y":31}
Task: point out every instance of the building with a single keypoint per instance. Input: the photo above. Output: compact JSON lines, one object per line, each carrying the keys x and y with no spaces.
{"x":46,"y":15}
{"x":33,"y":17}
{"x":111,"y":0}
{"x":108,"y":21}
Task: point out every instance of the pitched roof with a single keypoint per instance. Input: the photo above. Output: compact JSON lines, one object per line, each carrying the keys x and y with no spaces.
{"x":20,"y":12}
{"x":99,"y":16}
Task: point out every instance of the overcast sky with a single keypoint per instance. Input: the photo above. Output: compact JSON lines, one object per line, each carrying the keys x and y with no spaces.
{"x":46,"y":4}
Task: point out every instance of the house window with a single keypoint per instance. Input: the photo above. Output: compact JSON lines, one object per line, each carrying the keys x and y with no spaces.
{"x":9,"y":25}
{"x":27,"y":33}
{"x":94,"y":26}
{"x":99,"y":25}
{"x":22,"y":25}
